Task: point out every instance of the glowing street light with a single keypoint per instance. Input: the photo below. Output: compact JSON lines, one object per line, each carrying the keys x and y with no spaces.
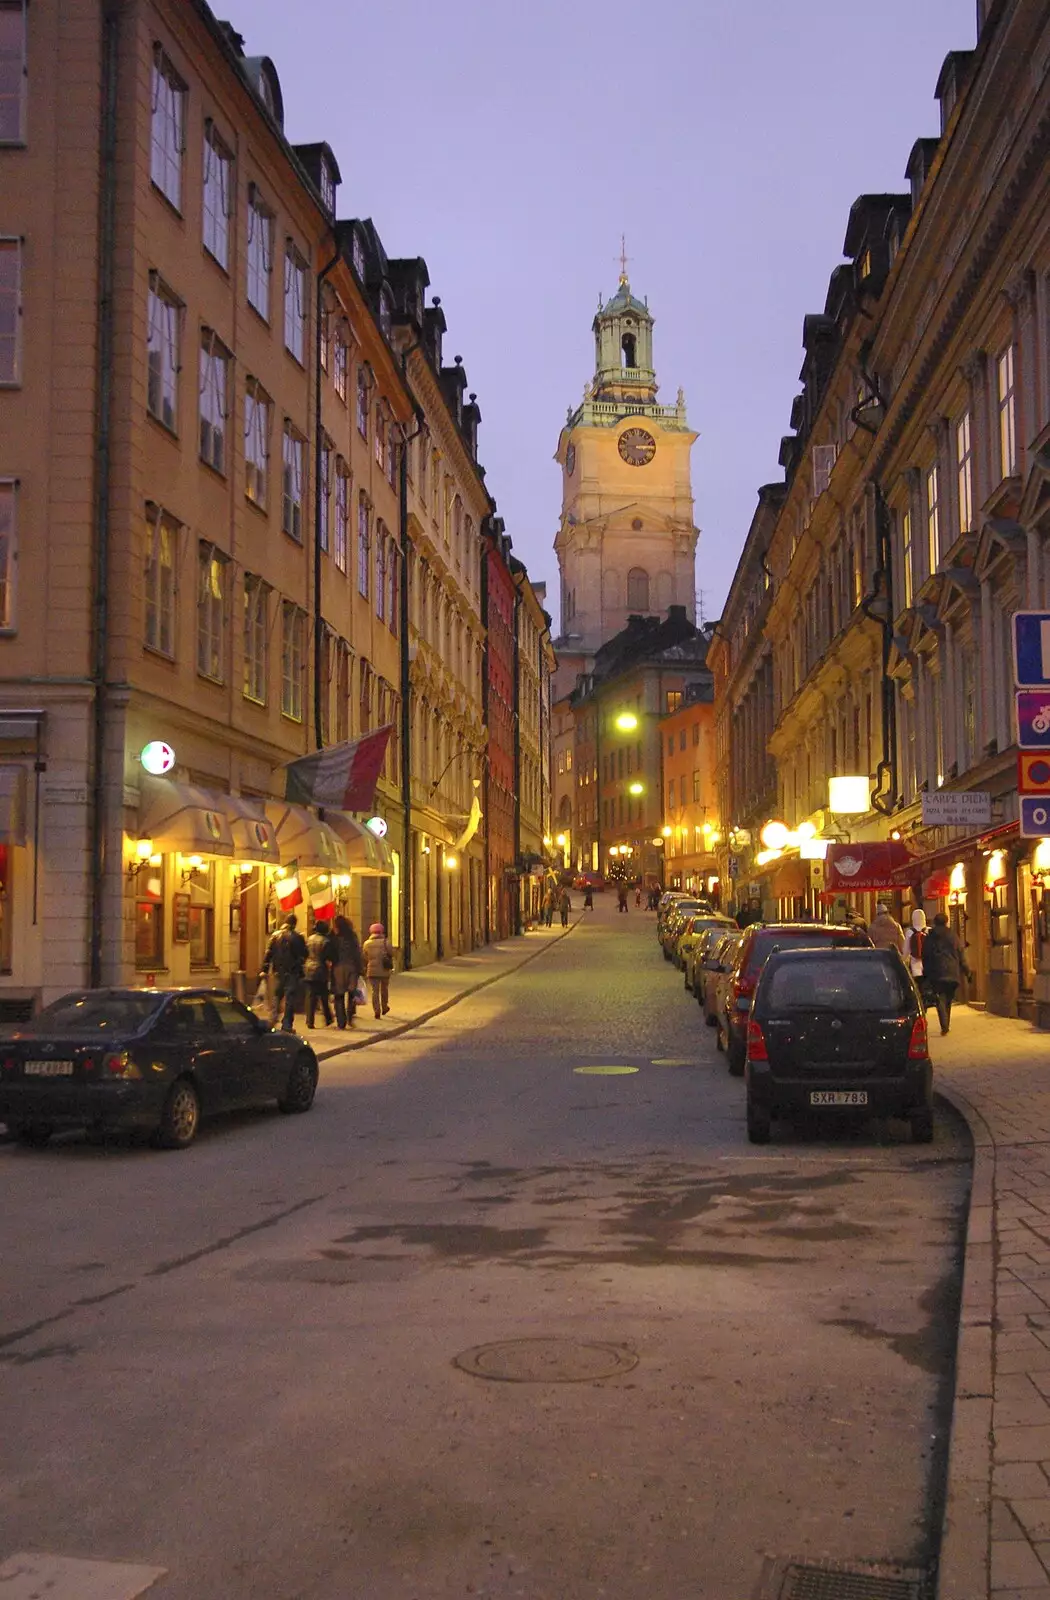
{"x":626,"y":722}
{"x":636,"y":788}
{"x":849,"y":796}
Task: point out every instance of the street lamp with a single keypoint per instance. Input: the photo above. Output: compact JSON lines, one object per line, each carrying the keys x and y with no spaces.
{"x":636,"y":788}
{"x":849,"y":796}
{"x":626,"y":722}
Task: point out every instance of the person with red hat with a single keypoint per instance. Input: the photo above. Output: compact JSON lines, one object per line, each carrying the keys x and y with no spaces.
{"x":378,"y":954}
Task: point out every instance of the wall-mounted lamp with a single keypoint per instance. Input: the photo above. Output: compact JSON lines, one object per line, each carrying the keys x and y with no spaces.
{"x":626,"y":722}
{"x":849,"y":796}
{"x":451,"y":863}
{"x":142,"y":856}
{"x":190,"y":865}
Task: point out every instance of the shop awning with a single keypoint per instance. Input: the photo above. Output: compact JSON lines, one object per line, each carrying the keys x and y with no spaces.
{"x":790,"y":878}
{"x":254,"y":836}
{"x":302,"y":838}
{"x":864,"y":866}
{"x":179,"y":816}
{"x":946,"y":855}
{"x":366,"y":855}
{"x":12,"y":805}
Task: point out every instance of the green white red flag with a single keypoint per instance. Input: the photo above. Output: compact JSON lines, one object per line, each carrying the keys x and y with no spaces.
{"x":288,"y":890}
{"x":343,"y":776}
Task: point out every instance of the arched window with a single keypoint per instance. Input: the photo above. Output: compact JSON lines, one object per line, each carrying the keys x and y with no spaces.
{"x":638,"y":590}
{"x":627,"y":350}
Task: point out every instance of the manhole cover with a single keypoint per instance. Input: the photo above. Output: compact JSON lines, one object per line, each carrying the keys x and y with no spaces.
{"x":545,"y":1361}
{"x":836,"y":1583}
{"x":604,"y":1072}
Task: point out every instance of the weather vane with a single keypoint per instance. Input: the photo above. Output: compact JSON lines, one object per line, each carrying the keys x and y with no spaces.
{"x":623,"y":258}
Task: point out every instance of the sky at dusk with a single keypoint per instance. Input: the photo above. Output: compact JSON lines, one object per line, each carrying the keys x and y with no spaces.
{"x":511,"y":144}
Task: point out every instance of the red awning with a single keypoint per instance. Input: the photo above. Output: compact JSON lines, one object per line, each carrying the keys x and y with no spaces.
{"x":947,"y":854}
{"x":864,"y":866}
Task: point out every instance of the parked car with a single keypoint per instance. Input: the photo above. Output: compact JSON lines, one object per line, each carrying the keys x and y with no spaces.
{"x":157,"y":1059}
{"x":695,"y":936}
{"x":588,"y":880}
{"x":759,"y":941}
{"x":668,"y":900}
{"x":714,"y":974}
{"x":677,"y":917}
{"x":837,"y":1030}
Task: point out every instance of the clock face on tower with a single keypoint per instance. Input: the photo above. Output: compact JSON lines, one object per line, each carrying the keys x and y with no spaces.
{"x":570,"y":460}
{"x":637,"y":447}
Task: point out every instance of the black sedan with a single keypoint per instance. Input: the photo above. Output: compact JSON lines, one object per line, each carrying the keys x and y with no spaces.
{"x":155,"y":1059}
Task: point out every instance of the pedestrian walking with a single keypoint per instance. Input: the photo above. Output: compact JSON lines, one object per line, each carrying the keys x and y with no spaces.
{"x":564,"y":907}
{"x":884,"y":931}
{"x":621,"y":897}
{"x":943,"y":964}
{"x":550,"y":901}
{"x":915,"y":940}
{"x":588,"y":899}
{"x":320,"y":951}
{"x":637,"y":896}
{"x":378,"y":955}
{"x":347,"y":967}
{"x":285,"y":960}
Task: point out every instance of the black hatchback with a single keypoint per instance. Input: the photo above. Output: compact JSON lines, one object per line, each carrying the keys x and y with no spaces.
{"x":837,"y":1030}
{"x":156,"y":1059}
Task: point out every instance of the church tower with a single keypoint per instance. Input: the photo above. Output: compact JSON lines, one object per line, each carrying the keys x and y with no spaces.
{"x":626,"y":543}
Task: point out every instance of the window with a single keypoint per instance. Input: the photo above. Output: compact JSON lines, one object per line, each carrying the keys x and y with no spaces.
{"x":386,"y":312}
{"x":211,"y":612}
{"x":293,"y":648}
{"x":393,"y":570}
{"x":12,"y":72}
{"x":340,"y":363}
{"x":294,"y":303}
{"x":202,"y":927}
{"x":380,"y":437}
{"x":149,"y":923}
{"x":342,"y":513}
{"x":8,"y":551}
{"x":696,"y":733}
{"x":638,"y":590}
{"x":696,"y":783}
{"x":362,"y":545}
{"x":362,"y":400}
{"x":214,"y":408}
{"x":327,"y":188}
{"x":964,"y":461}
{"x":391,"y":454}
{"x":357,"y":252}
{"x":260,"y":253}
{"x":162,"y":343}
{"x":674,"y":700}
{"x":681,"y":740}
{"x":324,"y":490}
{"x":256,"y":637}
{"x":166,"y":129}
{"x":568,"y":760}
{"x":906,"y":556}
{"x":342,"y":691}
{"x":256,"y":443}
{"x":379,"y":587}
{"x":365,"y":706}
{"x":424,"y":451}
{"x":10,"y":309}
{"x":326,"y":323}
{"x":161,"y":540}
{"x":218,"y":176}
{"x":933,"y":519}
{"x":1004,"y":375}
{"x":292,"y":484}
{"x":670,"y":795}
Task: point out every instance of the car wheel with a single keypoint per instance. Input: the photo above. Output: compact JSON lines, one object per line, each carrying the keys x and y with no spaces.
{"x":921,"y":1122}
{"x":180,"y":1118}
{"x":301,"y":1087}
{"x":735,"y":1059}
{"x":34,"y":1135}
{"x":759,"y":1123}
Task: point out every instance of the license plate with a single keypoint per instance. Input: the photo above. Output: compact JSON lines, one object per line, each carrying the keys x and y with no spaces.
{"x":48,"y":1069}
{"x":839,"y":1097}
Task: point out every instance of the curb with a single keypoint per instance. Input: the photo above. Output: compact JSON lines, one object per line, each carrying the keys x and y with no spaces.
{"x":446,"y":1005}
{"x":964,"y":1565}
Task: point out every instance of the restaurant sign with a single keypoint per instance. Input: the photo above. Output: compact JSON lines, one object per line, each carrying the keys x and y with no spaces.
{"x":957,"y":808}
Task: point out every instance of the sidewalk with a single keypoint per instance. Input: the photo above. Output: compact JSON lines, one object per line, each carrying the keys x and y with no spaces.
{"x":996,"y":1072}
{"x":424,"y":992}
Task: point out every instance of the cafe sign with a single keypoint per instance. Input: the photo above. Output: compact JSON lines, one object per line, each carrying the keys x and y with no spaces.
{"x":957,"y":808}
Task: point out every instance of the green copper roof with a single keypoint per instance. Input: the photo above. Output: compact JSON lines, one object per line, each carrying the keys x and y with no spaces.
{"x":624,"y":300}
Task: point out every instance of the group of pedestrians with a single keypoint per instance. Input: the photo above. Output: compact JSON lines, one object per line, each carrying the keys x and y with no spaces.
{"x":327,"y":966}
{"x":556,"y":900}
{"x":934,"y":954}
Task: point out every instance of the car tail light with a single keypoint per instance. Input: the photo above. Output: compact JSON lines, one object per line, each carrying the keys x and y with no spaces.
{"x":918,"y":1044}
{"x":120,"y":1066}
{"x":10,"y":1063}
{"x":756,"y":1042}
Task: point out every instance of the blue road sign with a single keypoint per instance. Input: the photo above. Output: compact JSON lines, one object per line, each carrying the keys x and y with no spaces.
{"x":1033,"y":719}
{"x":1035,"y":816}
{"x":1032,"y":649}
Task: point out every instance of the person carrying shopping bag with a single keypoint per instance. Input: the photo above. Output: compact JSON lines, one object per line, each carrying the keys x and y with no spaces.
{"x":944,"y":964}
{"x":378,"y":955}
{"x":347,"y":967}
{"x":285,"y":958}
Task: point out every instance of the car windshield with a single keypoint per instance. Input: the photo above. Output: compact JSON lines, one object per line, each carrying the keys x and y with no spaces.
{"x":96,"y":1013}
{"x":837,"y":984}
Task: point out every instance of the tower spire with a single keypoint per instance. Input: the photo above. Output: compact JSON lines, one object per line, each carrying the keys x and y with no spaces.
{"x":623,"y":260}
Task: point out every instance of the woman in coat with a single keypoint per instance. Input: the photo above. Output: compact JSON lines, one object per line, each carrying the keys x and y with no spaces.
{"x":347,"y":966}
{"x":378,"y":955}
{"x":319,"y":952}
{"x":943,"y":965}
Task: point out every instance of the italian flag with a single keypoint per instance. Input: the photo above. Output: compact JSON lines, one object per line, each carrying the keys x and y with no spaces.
{"x":322,"y":901}
{"x":289,"y":894}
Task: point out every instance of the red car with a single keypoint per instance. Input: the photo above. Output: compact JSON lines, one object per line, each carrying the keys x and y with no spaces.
{"x":757,"y":945}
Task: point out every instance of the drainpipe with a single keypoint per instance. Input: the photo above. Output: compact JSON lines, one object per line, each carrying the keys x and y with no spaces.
{"x":103,"y":444}
{"x":318,"y":444}
{"x":879,"y":605}
{"x":517,"y":758}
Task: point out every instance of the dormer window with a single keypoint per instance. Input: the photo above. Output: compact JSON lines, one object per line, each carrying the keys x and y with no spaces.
{"x":386,"y":312}
{"x":357,"y":252}
{"x":327,"y":188}
{"x":864,"y":266}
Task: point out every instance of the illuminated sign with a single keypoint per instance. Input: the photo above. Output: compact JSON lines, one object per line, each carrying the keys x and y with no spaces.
{"x":157,"y":757}
{"x":376,"y":825}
